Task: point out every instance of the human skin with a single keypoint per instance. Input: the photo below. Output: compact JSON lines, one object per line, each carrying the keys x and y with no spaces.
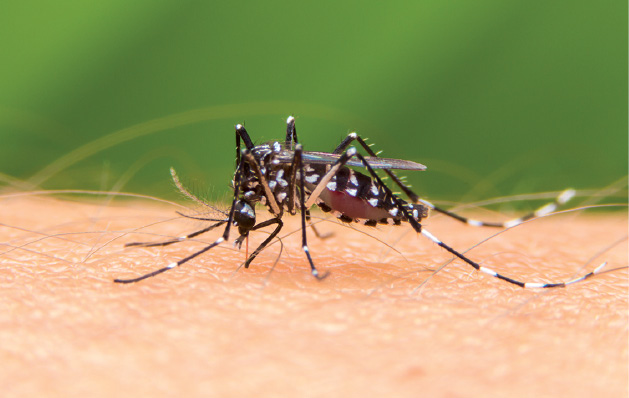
{"x":383,"y":323}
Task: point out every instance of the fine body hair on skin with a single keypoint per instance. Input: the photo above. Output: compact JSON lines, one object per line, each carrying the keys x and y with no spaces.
{"x":210,"y":328}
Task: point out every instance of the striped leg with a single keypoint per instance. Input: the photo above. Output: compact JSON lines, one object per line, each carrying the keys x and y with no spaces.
{"x":291,"y":140}
{"x":355,"y":137}
{"x":304,"y":206}
{"x":564,"y":197}
{"x":474,"y":264}
{"x":175,"y":264}
{"x":241,"y":133}
{"x":180,"y":239}
{"x":291,"y":132}
{"x":217,"y":242}
{"x":526,"y":285}
{"x":273,"y":234}
{"x":542,"y":211}
{"x":184,"y":191}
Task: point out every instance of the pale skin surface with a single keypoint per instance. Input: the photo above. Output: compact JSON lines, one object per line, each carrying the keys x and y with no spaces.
{"x":210,"y":329}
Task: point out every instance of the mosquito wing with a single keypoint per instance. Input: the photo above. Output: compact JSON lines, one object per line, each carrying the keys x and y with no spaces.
{"x":286,"y":156}
{"x":374,"y":162}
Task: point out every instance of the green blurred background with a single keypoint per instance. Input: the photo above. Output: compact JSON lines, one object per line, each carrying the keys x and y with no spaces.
{"x":495,"y":97}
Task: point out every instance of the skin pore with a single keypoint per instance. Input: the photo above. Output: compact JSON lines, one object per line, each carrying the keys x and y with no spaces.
{"x":383,"y":323}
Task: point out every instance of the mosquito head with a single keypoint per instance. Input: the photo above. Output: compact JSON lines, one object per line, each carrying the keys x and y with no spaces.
{"x":244,"y":216}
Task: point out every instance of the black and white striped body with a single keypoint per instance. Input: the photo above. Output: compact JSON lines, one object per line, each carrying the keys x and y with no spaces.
{"x":354,"y":197}
{"x":350,"y":195}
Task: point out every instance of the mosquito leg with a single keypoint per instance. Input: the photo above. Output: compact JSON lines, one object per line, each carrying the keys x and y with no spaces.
{"x":303,"y":208}
{"x":488,"y":271}
{"x":418,"y":228}
{"x":217,"y":242}
{"x":183,"y":190}
{"x":291,"y":136}
{"x":273,"y":234}
{"x":292,"y":189}
{"x":351,"y":137}
{"x":242,"y":133}
{"x":542,"y":211}
{"x":563,"y":197}
{"x":176,"y":240}
{"x":173,"y":265}
{"x":291,"y":132}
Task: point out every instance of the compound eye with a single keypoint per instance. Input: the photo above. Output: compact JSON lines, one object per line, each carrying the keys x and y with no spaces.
{"x":244,"y":216}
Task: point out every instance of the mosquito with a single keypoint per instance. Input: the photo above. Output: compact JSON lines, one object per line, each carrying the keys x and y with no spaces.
{"x":287,"y":179}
